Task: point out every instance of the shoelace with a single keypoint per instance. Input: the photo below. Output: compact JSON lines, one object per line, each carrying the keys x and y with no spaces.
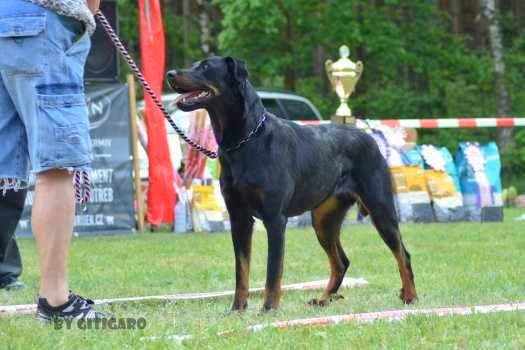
{"x":85,"y":300}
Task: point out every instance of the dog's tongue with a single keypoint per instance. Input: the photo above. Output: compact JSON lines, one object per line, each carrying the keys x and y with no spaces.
{"x":186,"y":95}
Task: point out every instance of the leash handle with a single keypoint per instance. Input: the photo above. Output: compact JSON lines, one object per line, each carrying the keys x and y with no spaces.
{"x":136,"y":71}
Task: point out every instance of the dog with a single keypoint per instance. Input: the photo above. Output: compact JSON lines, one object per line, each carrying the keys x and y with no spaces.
{"x":273,"y":169}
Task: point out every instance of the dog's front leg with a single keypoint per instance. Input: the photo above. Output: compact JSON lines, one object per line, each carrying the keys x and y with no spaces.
{"x":242,"y":230}
{"x":275,"y":228}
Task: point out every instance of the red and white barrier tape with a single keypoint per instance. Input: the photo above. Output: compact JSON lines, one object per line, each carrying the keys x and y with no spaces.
{"x":462,"y":123}
{"x":392,"y":315}
{"x":314,"y":285}
{"x":368,"y":317}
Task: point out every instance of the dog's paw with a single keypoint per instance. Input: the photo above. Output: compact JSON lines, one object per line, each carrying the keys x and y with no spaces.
{"x":267,"y":309}
{"x":407,"y":298}
{"x":325,"y":301}
{"x":318,"y":302}
{"x":239,"y":307}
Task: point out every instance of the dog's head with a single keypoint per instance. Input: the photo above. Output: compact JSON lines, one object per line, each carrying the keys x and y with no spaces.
{"x":208,"y":80}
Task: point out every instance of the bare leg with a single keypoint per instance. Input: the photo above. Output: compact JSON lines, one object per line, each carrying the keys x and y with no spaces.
{"x":52,"y":221}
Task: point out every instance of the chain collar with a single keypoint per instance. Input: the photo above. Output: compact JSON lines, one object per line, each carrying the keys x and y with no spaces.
{"x":251,"y":135}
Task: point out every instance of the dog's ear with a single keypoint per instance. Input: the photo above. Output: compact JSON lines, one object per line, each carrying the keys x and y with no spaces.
{"x":237,"y":69}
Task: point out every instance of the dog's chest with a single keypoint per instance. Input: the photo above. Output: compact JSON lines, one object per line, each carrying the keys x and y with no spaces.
{"x":249,"y":196}
{"x":244,"y":189}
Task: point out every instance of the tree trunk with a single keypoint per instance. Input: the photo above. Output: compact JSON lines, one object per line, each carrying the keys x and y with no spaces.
{"x":204,"y":20}
{"x":519,"y":15}
{"x":186,"y":29}
{"x":286,"y":42}
{"x":496,"y":47}
{"x":319,"y":57}
{"x":455,"y":12}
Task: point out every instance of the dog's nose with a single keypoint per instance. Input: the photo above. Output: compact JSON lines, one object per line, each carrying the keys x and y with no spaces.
{"x":172,"y":74}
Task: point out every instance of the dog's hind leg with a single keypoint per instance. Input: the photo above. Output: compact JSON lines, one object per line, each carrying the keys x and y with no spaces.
{"x":375,"y":194}
{"x":327,"y":219}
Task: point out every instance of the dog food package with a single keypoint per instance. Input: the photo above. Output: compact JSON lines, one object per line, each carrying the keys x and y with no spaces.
{"x":493,"y":170}
{"x":479,"y":170}
{"x":413,"y":157}
{"x":450,"y":167}
{"x":408,"y":178}
{"x":411,"y":194}
{"x":447,"y":201}
{"x":302,"y":220}
{"x":183,"y":218}
{"x":222,"y":204}
{"x":390,"y":142}
{"x":207,"y":212}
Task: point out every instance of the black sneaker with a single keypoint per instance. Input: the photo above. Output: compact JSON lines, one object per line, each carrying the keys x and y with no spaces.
{"x":76,"y":308}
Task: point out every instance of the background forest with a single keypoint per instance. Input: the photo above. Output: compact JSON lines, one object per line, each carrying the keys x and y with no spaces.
{"x":422,"y":58}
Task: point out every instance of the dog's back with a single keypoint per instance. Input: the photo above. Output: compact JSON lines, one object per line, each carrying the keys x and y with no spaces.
{"x":320,"y":158}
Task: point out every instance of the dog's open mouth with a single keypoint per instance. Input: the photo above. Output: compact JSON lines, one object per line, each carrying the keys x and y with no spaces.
{"x":188,"y":99}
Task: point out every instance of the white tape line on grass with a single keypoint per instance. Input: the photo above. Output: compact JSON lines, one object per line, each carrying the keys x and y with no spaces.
{"x":314,"y":285}
{"x":369,"y":317}
{"x":393,"y":315}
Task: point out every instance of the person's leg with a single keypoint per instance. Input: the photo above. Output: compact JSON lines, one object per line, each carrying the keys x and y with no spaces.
{"x":53,"y":208}
{"x":47,"y":91}
{"x":11,"y":207}
{"x":52,"y":220}
{"x":13,"y":173}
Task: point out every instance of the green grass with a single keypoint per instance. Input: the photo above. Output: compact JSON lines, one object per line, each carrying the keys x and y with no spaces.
{"x":454,"y":264}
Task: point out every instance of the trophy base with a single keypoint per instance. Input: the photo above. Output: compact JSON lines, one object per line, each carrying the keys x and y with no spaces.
{"x":339,"y":119}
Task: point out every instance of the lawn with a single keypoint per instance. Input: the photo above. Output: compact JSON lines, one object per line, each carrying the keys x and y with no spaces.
{"x":454,"y":264}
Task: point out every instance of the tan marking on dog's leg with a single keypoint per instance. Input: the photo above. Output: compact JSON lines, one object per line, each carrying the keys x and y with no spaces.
{"x":328,"y":236}
{"x":242,"y":285}
{"x":408,"y":290}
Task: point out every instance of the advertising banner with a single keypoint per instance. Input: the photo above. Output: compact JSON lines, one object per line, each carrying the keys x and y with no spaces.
{"x":111,"y":206}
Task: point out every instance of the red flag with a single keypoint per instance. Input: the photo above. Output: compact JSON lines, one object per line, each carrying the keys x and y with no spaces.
{"x":161,"y":191}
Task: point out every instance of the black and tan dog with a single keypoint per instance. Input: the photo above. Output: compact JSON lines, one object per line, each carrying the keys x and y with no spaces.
{"x":273,"y":169}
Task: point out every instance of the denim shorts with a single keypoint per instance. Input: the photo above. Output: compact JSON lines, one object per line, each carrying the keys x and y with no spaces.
{"x":43,"y":114}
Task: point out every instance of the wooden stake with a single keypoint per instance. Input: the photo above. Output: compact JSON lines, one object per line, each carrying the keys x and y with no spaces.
{"x":134,"y":149}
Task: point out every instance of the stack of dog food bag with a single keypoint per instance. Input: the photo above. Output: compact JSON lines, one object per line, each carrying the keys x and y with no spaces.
{"x":430,"y":186}
{"x":479,"y":168}
{"x":442,"y":183}
{"x":408,"y":176}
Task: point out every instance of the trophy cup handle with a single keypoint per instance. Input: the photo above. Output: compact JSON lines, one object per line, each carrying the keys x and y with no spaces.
{"x":328,"y":69}
{"x":359,"y":69}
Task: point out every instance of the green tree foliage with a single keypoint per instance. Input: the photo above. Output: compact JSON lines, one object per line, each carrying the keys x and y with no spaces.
{"x":415,"y":65}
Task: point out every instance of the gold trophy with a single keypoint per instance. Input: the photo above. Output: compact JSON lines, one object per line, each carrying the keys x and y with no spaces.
{"x":344,"y":75}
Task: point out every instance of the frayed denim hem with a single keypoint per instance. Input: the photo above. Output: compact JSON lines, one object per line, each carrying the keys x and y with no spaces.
{"x":81,"y":182}
{"x":14,"y":184}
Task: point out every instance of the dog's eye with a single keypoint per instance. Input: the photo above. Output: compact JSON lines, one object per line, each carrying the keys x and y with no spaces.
{"x":205,"y":65}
